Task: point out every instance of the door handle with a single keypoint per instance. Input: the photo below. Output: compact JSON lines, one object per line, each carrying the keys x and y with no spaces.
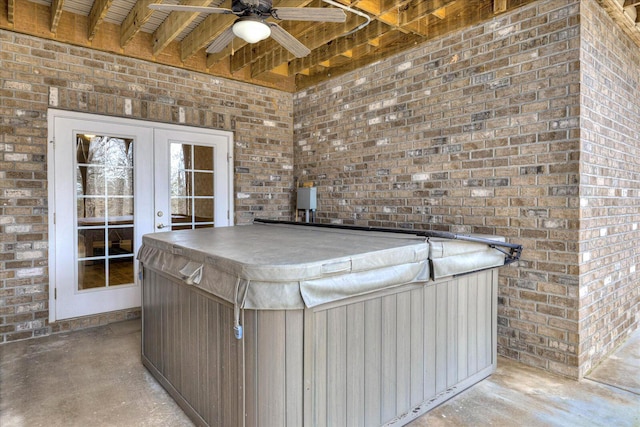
{"x":160,"y":226}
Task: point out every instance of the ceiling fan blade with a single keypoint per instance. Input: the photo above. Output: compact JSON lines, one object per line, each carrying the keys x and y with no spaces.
{"x":187,"y":8}
{"x":220,"y":42}
{"x":322,"y":14}
{"x":289,"y":42}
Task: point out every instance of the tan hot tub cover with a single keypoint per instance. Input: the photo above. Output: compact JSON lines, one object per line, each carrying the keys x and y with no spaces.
{"x":275,"y":266}
{"x":454,"y":257}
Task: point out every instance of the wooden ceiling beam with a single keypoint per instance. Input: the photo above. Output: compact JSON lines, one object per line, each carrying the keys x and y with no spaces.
{"x":281,"y":70}
{"x":175,"y":23}
{"x":381,"y":10}
{"x":418,"y":9}
{"x":372,"y":31}
{"x":440,"y":13}
{"x":213,"y":58}
{"x":96,"y":16}
{"x":372,"y":7}
{"x":11,"y":7}
{"x":499,"y":6}
{"x":393,"y":41}
{"x":136,"y":18}
{"x":280,"y":55}
{"x":204,"y":34}
{"x":389,"y":5}
{"x":391,"y":13}
{"x":56,"y":11}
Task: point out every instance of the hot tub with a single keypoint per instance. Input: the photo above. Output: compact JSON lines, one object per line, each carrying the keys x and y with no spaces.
{"x":281,"y":325}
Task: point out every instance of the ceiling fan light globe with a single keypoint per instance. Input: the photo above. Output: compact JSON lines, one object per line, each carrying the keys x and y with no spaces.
{"x":251,"y":31}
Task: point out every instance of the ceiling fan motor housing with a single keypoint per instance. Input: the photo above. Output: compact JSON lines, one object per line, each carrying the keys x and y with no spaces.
{"x":249,"y":7}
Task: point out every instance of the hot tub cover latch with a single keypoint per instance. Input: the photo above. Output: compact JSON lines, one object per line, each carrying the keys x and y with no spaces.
{"x":238,"y":304}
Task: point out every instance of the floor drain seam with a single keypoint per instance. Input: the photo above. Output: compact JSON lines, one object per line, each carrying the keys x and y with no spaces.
{"x":612,"y":386}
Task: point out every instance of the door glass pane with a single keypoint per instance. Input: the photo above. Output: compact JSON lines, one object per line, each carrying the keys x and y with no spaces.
{"x":180,"y":183}
{"x":203,"y":210}
{"x":203,"y":184}
{"x":104,"y":205}
{"x":120,"y":271}
{"x":91,"y":274}
{"x":120,"y":240}
{"x":203,"y":158}
{"x":192,"y":186}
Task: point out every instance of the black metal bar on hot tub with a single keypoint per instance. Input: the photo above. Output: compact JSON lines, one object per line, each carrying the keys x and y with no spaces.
{"x":511,"y":255}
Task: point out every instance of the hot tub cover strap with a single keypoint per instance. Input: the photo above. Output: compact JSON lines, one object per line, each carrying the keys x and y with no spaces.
{"x":191,"y":273}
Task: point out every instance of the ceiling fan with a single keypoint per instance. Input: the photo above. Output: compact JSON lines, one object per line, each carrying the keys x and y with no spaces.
{"x":251,"y":25}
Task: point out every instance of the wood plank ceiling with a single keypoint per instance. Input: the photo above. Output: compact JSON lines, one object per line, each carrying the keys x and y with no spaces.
{"x":131,"y":28}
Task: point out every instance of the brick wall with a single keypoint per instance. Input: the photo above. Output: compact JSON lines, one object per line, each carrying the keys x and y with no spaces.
{"x":478,"y":131}
{"x":96,"y":82}
{"x":610,"y":186}
{"x":524,"y":126}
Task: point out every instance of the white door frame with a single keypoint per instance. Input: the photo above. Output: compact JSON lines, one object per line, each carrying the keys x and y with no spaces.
{"x":54,"y":114}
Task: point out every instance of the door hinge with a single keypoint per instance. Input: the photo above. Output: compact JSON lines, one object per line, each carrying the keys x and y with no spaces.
{"x":229,"y":157}
{"x":55,"y":293}
{"x":228,"y":215}
{"x":54,"y":218}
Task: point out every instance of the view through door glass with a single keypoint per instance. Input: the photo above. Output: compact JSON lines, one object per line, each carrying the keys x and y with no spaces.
{"x":192,"y":186}
{"x":104,"y":206}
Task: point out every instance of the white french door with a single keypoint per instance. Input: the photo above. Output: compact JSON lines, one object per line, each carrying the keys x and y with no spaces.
{"x":111,"y":181}
{"x":189,"y":191}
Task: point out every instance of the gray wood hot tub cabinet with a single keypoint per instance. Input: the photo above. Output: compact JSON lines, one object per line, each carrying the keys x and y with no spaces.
{"x":368,"y":357}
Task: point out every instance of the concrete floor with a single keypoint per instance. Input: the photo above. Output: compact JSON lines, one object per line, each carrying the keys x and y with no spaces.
{"x":94,"y":377}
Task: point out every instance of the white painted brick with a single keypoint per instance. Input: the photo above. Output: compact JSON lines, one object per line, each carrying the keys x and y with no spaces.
{"x":30,"y":255}
{"x":420,"y":177}
{"x":482,"y":192}
{"x":136,"y":87}
{"x":81,"y":86}
{"x":15,"y":157}
{"x":34,"y":324}
{"x":20,"y":228}
{"x":390,"y":102}
{"x":17,"y":86}
{"x":404,"y":66}
{"x":25,"y":308}
{"x":53,"y":96}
